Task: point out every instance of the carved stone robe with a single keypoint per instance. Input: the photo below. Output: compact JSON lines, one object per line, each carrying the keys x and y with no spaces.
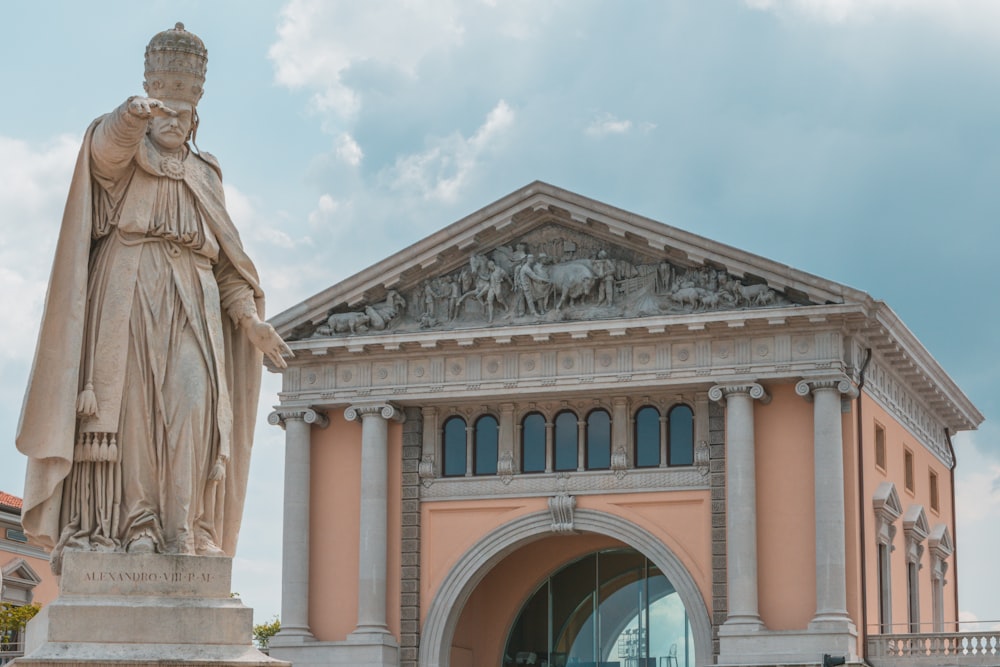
{"x":149,"y":282}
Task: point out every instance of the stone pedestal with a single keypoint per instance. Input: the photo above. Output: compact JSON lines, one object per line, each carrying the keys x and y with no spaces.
{"x":123,"y":609}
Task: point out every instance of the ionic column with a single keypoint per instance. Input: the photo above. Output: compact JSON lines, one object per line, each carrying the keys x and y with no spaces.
{"x":295,"y":538}
{"x":828,"y":481}
{"x":372,"y":556}
{"x":741,"y":502}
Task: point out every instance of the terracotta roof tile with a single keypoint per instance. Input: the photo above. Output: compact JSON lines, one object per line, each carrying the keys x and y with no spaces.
{"x":9,"y":501}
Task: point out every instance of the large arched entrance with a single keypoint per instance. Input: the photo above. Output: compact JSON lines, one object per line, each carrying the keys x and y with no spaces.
{"x":648,"y":556}
{"x":611,"y":606}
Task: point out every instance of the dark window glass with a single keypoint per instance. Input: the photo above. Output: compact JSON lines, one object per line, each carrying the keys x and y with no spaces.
{"x":533,"y":443}
{"x":681,"y":442}
{"x":565,"y":441}
{"x":487,"y":438}
{"x":598,"y":440}
{"x":647,"y":437}
{"x":454,"y":447}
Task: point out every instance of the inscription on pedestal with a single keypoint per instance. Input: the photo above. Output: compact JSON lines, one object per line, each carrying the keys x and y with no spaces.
{"x":149,"y":577}
{"x":93,"y":573}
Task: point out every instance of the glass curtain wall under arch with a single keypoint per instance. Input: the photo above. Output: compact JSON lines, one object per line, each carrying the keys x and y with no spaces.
{"x":611,"y":608}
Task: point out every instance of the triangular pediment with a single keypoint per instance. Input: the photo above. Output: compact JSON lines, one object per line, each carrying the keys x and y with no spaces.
{"x":886,"y":502}
{"x":19,"y":571}
{"x":541,"y":255}
{"x":915,"y":522}
{"x":940,"y":541}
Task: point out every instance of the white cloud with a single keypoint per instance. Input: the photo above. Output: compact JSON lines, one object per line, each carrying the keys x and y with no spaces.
{"x":348,"y":150}
{"x":965,"y":14}
{"x":34,"y":181}
{"x":254,"y":227}
{"x":605,"y":124}
{"x":318,"y":42}
{"x":440,"y":172}
{"x":326,"y":207}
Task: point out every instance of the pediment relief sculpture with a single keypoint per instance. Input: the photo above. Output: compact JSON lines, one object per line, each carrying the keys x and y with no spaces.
{"x":553,"y":274}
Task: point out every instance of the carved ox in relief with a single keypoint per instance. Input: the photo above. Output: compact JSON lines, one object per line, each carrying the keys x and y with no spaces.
{"x":571,"y":280}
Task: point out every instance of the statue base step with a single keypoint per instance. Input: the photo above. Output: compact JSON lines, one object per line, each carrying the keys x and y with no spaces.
{"x":143,"y":609}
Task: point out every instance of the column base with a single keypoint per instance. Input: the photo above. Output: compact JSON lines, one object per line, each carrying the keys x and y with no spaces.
{"x":791,"y":647}
{"x":292,"y":637}
{"x":378,"y":650}
{"x":741,"y":625}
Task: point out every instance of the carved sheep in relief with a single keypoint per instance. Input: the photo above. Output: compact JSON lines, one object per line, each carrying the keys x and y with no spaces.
{"x":347,"y":323}
{"x":689,"y":296}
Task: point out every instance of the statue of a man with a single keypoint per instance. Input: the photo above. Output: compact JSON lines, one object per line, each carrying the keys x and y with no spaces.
{"x":138,"y":418}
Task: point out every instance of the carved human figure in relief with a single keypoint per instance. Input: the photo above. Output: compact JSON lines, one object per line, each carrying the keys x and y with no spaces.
{"x":139,"y":414}
{"x":604,"y":268}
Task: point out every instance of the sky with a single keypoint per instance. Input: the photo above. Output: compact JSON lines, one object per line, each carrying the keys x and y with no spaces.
{"x":853,"y":139}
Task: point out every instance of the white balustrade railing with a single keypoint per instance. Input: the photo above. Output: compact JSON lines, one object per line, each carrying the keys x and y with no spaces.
{"x":935,"y":649}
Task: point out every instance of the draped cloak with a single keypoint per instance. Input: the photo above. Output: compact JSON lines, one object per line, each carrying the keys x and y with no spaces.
{"x":48,"y":427}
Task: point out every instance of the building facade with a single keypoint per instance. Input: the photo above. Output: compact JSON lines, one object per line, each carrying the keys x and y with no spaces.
{"x":558,"y":433}
{"x":25,"y":577}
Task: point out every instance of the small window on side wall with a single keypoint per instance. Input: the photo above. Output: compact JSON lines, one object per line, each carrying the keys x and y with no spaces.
{"x":680,"y":443}
{"x":935,"y":495}
{"x":908,"y":470}
{"x":453,"y":454}
{"x":880,"y":447}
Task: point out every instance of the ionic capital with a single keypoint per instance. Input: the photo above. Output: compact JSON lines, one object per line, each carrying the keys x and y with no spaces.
{"x":720,"y":392}
{"x":311,"y":416}
{"x":839,"y":383}
{"x":383,"y":409}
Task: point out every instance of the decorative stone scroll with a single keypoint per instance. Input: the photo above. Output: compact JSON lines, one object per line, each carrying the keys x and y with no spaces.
{"x":720,"y":392}
{"x":552,"y":274}
{"x":425,"y":470}
{"x":841,"y":383}
{"x":561,"y":507}
{"x":505,"y":467}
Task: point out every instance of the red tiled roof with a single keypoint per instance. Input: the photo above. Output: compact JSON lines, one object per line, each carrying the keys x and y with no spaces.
{"x":7,"y":500}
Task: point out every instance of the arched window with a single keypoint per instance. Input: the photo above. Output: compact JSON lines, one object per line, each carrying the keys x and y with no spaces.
{"x":453,"y":455}
{"x":598,"y":440}
{"x":566,"y":441}
{"x":533,"y":443}
{"x":681,"y":436}
{"x":486,"y":445}
{"x":647,"y":437}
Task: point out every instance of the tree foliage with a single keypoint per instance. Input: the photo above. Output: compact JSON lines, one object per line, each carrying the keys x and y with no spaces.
{"x":13,"y":618}
{"x":262,"y":632}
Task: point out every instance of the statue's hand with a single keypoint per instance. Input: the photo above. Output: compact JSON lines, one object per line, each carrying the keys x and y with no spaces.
{"x":267,"y":340}
{"x":148,"y":107}
{"x":218,"y":472}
